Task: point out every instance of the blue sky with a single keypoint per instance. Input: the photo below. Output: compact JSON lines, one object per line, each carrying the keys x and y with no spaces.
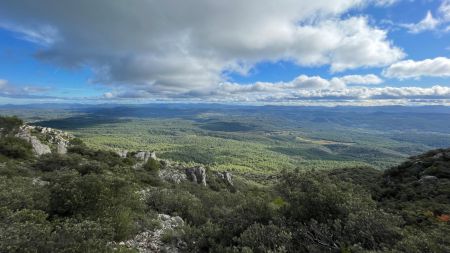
{"x":331,"y":52}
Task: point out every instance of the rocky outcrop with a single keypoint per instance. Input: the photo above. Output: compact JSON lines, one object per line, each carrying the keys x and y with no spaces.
{"x":428,"y":179}
{"x":225,"y":176}
{"x":150,"y":241}
{"x":172,"y":175}
{"x":197,"y":175}
{"x":61,"y":148}
{"x":122,"y":153}
{"x":36,"y":144}
{"x":43,"y":138}
{"x":145,"y":155}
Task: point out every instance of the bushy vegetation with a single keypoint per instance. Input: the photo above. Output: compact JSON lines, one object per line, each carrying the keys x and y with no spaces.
{"x":86,"y":199}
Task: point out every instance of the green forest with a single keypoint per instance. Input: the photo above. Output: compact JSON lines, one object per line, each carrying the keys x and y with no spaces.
{"x":92,"y":200}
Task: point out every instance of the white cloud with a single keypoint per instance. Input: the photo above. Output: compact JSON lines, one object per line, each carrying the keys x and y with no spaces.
{"x":361,"y":80}
{"x":426,"y":24}
{"x":444,"y":10}
{"x":177,"y":46}
{"x":385,"y":2}
{"x":437,"y":67}
{"x":439,"y":22}
{"x":10,"y":90}
{"x":301,"y":89}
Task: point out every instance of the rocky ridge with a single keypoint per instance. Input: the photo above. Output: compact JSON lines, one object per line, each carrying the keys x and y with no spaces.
{"x":45,"y":140}
{"x":175,"y":172}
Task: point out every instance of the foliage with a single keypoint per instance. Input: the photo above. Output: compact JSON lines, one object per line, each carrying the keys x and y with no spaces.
{"x":152,"y":166}
{"x":14,"y":147}
{"x":85,"y":200}
{"x":9,"y":125}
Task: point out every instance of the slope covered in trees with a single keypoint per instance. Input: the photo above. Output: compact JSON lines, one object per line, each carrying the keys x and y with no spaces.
{"x":98,"y":201}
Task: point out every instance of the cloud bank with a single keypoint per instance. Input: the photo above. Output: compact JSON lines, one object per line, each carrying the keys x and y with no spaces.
{"x":186,"y":46}
{"x":437,"y":67}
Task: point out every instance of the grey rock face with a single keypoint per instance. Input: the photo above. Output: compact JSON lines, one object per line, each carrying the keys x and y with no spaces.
{"x":38,"y":147}
{"x":172,"y":175}
{"x":226,"y":176}
{"x":426,"y":179}
{"x":61,"y":148}
{"x":197,"y":175}
{"x":145,"y":155}
{"x":51,"y":136}
{"x":38,"y":181}
{"x":150,"y":241}
{"x":122,"y":153}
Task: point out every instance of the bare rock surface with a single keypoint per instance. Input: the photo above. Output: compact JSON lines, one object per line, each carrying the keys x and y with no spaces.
{"x":225,"y":176}
{"x":150,"y":241}
{"x":197,"y":174}
{"x":47,"y":137}
{"x":145,"y":155}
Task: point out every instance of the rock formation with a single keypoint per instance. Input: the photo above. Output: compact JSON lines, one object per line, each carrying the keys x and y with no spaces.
{"x":150,"y":241}
{"x":36,"y":144}
{"x":225,"y":176}
{"x":197,"y":174}
{"x":145,"y":155}
{"x":43,"y":138}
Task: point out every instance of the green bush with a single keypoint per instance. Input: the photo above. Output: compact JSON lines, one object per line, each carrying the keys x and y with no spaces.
{"x":265,"y":238}
{"x":152,"y":166}
{"x":53,"y":162}
{"x":14,"y":147}
{"x":9,"y":125}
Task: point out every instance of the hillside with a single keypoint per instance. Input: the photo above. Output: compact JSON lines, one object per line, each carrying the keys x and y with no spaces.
{"x":59,"y":195}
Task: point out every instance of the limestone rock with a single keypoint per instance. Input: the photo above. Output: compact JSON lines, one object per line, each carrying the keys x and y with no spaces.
{"x":61,"y":148}
{"x":425,"y":179}
{"x":145,"y":155}
{"x":49,"y":136}
{"x":225,"y":176}
{"x":172,"y":175}
{"x":38,"y":147}
{"x":38,"y":181}
{"x":197,"y":175}
{"x":150,"y":241}
{"x":122,"y":153}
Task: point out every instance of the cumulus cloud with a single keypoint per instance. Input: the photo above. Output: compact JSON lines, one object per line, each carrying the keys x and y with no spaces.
{"x":177,"y":47}
{"x":426,"y":24}
{"x":437,"y":67}
{"x":444,"y":10}
{"x":438,"y":22}
{"x":385,"y":2}
{"x":301,"y":89}
{"x":12,"y":91}
{"x":361,"y":80}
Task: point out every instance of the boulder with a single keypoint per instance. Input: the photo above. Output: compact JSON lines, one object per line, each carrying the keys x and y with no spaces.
{"x":225,"y":176}
{"x":145,"y":155}
{"x":122,"y":153}
{"x":56,"y":138}
{"x":38,"y":147}
{"x":61,"y":148}
{"x":151,"y":240}
{"x":425,"y":179}
{"x":197,"y":175}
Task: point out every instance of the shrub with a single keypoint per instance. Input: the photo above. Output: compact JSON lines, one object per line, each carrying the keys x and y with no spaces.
{"x":54,"y":162}
{"x":14,"y":147}
{"x":9,"y":125}
{"x":265,"y":238}
{"x":152,"y":166}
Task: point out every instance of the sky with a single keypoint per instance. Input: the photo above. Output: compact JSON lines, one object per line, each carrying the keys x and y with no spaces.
{"x":322,"y":52}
